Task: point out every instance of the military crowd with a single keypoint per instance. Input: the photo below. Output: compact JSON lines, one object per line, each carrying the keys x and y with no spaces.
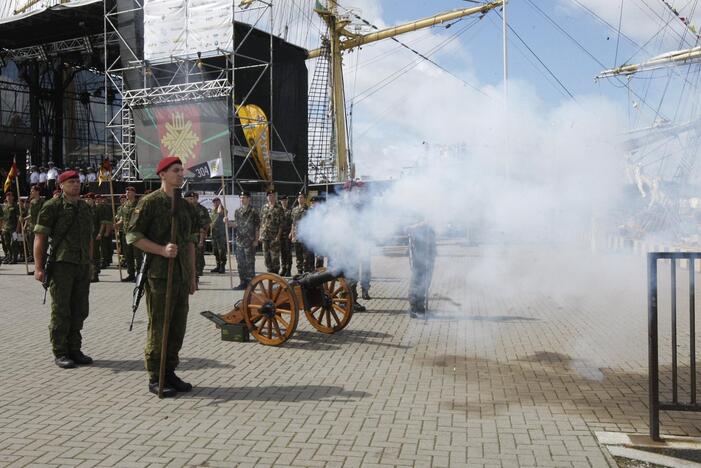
{"x":69,"y":239}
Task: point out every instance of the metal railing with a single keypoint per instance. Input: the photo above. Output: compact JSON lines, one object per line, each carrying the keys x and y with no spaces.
{"x":653,"y":337}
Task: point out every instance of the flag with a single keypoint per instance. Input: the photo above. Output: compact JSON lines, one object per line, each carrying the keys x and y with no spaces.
{"x":10,"y":176}
{"x":104,"y":173}
{"x":208,"y":169}
{"x":216,"y":167}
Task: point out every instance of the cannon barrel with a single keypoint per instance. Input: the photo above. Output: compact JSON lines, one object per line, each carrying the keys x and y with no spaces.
{"x":312,"y":280}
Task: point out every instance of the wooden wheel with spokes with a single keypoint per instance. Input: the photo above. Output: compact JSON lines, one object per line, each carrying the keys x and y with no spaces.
{"x":336,"y":308}
{"x":270,"y":309}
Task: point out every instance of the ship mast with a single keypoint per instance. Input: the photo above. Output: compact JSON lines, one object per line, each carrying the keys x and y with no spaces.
{"x":677,"y":57}
{"x":340,"y":40}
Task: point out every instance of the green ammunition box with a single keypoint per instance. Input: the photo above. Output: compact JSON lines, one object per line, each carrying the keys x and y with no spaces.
{"x":234,"y":332}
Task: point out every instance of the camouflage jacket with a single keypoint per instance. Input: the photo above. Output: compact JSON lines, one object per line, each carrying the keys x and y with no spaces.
{"x":61,"y":219}
{"x":125,"y":211}
{"x":286,"y":223}
{"x":297,"y":214}
{"x":104,"y":213}
{"x":217,"y":223}
{"x":10,"y":215}
{"x":203,"y":220}
{"x":35,"y":206}
{"x":247,"y":222}
{"x":271,"y":219}
{"x":151,"y":220}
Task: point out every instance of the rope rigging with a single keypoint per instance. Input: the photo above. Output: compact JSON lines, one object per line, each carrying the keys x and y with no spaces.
{"x":421,"y":55}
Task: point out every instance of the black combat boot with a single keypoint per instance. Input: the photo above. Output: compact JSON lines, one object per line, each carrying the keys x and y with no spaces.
{"x":176,"y":382}
{"x":366,"y":294}
{"x":168,"y":390}
{"x":64,"y":362}
{"x":81,"y":359}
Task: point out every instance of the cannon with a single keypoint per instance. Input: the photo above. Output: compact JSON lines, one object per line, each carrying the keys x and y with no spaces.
{"x":271,"y":305}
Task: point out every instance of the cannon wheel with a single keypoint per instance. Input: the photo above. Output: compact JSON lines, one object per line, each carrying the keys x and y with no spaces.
{"x":270,"y":309}
{"x":337,"y":308}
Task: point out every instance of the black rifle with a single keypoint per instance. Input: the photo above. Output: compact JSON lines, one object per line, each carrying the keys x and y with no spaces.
{"x":48,"y":270}
{"x":139,"y":288}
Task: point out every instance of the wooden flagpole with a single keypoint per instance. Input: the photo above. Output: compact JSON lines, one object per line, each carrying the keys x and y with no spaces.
{"x":226,"y":225}
{"x":116,"y":229}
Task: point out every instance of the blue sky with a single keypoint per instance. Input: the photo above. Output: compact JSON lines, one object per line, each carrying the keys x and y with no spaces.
{"x":392,"y":119}
{"x":568,"y":62}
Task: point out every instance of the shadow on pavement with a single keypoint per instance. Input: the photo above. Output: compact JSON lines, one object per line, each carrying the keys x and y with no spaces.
{"x":318,"y":341}
{"x":131,"y":365}
{"x":276,"y":393}
{"x":437,"y":315}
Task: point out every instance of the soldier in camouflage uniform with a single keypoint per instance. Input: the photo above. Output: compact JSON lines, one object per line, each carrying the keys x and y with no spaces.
{"x":35,"y":204}
{"x":247,"y":223}
{"x":271,"y":219}
{"x":10,"y":225}
{"x":65,"y":224}
{"x":285,"y":242}
{"x":103,"y":212}
{"x":218,"y":235}
{"x":305,"y":258}
{"x":149,"y":230}
{"x":132,"y":255}
{"x":203,"y":227}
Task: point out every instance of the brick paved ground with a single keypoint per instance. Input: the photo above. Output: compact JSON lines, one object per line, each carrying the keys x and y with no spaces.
{"x":502,"y":375}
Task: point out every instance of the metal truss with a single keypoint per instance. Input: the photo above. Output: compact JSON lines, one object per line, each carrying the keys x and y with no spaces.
{"x":43,"y":52}
{"x":177,"y":92}
{"x":163,"y":82}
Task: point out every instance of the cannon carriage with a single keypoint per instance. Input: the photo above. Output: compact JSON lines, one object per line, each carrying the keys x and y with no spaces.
{"x":271,"y":305}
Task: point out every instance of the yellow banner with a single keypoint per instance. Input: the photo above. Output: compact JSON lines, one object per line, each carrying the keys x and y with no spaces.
{"x":257,"y":133}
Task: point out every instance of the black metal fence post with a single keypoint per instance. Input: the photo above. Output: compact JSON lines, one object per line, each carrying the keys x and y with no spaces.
{"x":652,"y":346}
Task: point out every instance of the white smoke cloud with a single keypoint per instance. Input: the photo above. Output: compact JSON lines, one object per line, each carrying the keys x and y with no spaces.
{"x":534,"y":176}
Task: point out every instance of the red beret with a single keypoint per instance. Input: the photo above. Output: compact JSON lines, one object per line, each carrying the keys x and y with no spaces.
{"x":67,"y":175}
{"x":166,"y":163}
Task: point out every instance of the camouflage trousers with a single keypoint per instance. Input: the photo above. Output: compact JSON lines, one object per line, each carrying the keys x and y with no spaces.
{"x":10,"y":247}
{"x":132,"y":257}
{"x":246,"y":262}
{"x":199,"y":259}
{"x":219,"y":248}
{"x":286,"y":253}
{"x":97,"y":260}
{"x":305,"y":258}
{"x":69,"y":288}
{"x":155,"y":308}
{"x":271,"y":253}
{"x":106,"y":250}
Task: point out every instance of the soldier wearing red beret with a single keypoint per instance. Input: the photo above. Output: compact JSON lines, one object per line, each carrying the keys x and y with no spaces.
{"x":64,"y":224}
{"x":149,"y":230}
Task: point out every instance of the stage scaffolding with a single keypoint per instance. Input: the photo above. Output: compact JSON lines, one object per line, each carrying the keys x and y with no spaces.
{"x":206,"y":74}
{"x":49,"y":96}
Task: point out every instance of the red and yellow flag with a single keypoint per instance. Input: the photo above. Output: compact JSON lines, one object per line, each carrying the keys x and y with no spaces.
{"x":10,"y":176}
{"x":105,"y":172}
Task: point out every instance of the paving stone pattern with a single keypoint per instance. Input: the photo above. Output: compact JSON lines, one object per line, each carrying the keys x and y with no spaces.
{"x":494,"y":378}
